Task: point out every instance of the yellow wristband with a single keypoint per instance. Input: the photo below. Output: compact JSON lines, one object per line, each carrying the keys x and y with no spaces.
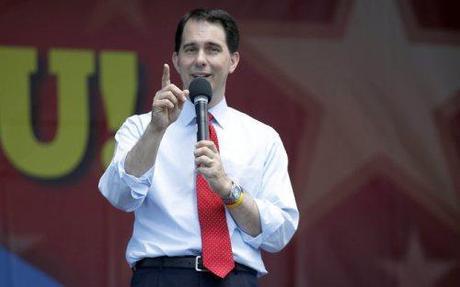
{"x":236,"y":203}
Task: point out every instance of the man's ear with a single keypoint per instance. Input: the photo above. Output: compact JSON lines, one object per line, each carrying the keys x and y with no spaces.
{"x":175,"y":59}
{"x":234,"y":60}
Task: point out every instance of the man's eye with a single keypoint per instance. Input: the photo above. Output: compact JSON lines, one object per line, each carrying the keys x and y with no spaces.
{"x":189,"y":49}
{"x":214,"y":49}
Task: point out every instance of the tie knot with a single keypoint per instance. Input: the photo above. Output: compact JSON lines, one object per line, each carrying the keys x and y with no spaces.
{"x":210,"y":117}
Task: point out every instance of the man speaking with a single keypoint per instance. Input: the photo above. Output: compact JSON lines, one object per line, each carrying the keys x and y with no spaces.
{"x":204,"y":209}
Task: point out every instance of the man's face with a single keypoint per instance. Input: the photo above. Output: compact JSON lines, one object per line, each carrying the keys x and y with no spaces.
{"x":204,"y":53}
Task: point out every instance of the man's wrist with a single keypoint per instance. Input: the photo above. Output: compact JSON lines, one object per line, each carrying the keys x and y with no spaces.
{"x":155,"y":131}
{"x":226,"y":188}
{"x":235,"y":195}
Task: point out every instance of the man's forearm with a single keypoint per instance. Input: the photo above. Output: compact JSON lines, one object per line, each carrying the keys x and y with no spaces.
{"x":247,"y":215}
{"x":142,"y":156}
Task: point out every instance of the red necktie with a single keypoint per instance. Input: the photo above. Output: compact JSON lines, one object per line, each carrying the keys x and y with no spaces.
{"x":215,"y":239}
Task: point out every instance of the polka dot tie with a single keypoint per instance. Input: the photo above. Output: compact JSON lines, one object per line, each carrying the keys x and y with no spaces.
{"x":215,"y":238}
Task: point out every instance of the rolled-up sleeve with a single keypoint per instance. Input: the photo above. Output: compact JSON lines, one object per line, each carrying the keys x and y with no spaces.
{"x":121,"y":189}
{"x":275,"y":200}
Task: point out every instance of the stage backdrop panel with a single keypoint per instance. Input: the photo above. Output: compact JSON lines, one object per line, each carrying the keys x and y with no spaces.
{"x":364,"y":93}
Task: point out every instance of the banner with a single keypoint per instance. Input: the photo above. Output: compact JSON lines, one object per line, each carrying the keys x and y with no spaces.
{"x":364,"y":93}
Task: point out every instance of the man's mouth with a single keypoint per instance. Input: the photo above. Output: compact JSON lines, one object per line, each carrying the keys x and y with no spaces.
{"x":202,"y":75}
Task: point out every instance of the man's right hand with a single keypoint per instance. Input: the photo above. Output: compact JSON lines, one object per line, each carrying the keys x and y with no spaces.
{"x":167,"y":103}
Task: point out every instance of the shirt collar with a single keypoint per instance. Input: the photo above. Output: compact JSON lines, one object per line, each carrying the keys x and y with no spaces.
{"x":219,"y":112}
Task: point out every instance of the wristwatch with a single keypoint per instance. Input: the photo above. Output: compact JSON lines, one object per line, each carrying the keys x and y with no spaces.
{"x":235,"y":194}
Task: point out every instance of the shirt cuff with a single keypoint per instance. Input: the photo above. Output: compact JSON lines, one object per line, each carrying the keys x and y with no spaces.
{"x":139,"y":185}
{"x":271,"y":219}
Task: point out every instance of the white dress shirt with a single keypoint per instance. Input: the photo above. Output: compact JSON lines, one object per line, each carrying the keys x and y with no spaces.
{"x":164,"y":198}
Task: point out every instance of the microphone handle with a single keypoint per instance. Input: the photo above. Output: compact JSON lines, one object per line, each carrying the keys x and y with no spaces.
{"x":201,"y":109}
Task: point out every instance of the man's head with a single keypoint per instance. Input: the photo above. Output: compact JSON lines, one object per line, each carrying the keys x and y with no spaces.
{"x":206,"y":46}
{"x":214,"y":16}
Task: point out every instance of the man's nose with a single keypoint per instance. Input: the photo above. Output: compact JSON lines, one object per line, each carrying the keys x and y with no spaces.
{"x":200,"y":58}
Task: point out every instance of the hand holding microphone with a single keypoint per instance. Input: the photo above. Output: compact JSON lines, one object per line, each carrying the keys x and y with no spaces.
{"x":207,"y":157}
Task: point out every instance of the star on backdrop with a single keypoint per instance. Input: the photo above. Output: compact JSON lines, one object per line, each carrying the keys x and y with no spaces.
{"x":366,"y":83}
{"x":378,"y":92}
{"x":415,"y":268}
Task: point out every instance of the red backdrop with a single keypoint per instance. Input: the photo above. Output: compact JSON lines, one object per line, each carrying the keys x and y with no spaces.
{"x":365,"y":95}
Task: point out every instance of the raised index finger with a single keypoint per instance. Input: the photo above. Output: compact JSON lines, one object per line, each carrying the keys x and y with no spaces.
{"x":165,"y":78}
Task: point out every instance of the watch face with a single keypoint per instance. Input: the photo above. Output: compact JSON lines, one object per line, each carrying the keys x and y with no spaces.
{"x":236,"y":190}
{"x":235,"y":194}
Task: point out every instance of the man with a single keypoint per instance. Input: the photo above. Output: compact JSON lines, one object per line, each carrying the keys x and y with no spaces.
{"x":158,"y":166}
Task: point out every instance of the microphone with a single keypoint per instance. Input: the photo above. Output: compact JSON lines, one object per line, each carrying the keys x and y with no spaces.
{"x":201,"y":94}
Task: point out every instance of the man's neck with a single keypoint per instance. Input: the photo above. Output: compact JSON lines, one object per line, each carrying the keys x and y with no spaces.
{"x":215,"y":101}
{"x":217,"y":97}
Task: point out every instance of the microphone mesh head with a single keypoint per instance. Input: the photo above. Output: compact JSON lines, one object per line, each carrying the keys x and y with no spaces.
{"x":200,"y":87}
